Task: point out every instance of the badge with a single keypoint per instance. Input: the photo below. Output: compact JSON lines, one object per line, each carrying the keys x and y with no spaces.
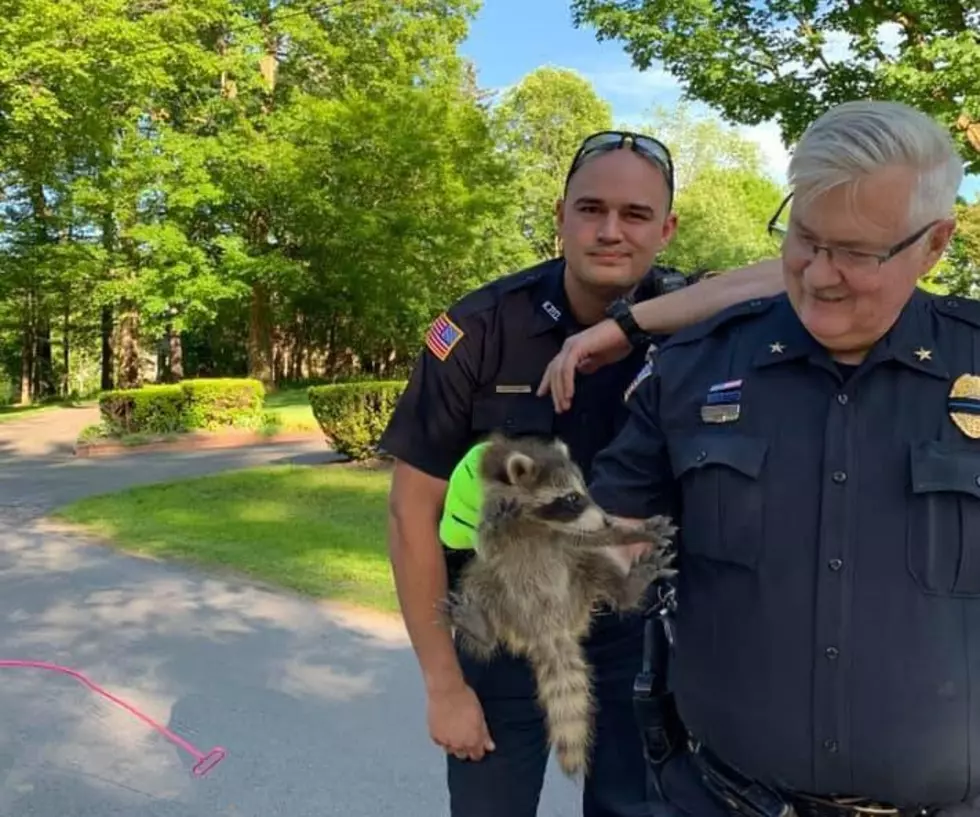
{"x":722,"y":403}
{"x":964,"y":405}
{"x":442,"y":336}
{"x":645,"y":371}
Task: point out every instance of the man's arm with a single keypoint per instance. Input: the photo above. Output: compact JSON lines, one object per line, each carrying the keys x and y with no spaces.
{"x":428,"y":434}
{"x":605,"y":342}
{"x":632,"y":477}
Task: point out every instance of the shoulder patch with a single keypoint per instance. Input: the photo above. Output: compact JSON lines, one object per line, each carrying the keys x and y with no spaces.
{"x":746,"y":310}
{"x":442,"y":337}
{"x":958,"y":308}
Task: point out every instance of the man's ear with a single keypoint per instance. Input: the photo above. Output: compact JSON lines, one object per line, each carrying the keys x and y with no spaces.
{"x":669,"y":231}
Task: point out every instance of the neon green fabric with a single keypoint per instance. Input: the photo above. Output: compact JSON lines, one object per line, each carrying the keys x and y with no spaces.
{"x":464,"y":501}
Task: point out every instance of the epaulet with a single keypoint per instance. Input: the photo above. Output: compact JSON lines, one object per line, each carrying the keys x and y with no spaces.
{"x":487,"y":296}
{"x":958,"y":308}
{"x":746,"y":310}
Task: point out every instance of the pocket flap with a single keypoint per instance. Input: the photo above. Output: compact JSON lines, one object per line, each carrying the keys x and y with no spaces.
{"x":737,"y":451}
{"x":942,"y":466}
{"x":513,"y":414}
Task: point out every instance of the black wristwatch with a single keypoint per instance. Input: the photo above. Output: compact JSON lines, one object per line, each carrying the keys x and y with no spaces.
{"x":619,"y":311}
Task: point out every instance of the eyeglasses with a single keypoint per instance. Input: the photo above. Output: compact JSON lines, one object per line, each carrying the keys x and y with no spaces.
{"x":648,"y":147}
{"x":847,"y":260}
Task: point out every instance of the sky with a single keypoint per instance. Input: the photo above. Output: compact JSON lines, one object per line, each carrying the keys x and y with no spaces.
{"x":504,"y":50}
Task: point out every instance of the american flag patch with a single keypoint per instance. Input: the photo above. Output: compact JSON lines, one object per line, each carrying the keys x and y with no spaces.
{"x":442,"y":336}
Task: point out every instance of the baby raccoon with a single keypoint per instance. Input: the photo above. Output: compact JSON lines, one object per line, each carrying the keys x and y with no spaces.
{"x":546,"y":555}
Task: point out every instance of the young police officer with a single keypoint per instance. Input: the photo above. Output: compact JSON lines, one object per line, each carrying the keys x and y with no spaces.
{"x":479,"y":372}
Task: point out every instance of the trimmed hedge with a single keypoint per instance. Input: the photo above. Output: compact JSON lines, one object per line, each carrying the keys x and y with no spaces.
{"x":187,"y":406}
{"x":353,"y":416}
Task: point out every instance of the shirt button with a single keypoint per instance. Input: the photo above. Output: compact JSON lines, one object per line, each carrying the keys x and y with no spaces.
{"x":842,"y":399}
{"x":835,"y":564}
{"x":830,"y":745}
{"x":839,"y":477}
{"x":832,"y":652}
{"x":703,"y":455}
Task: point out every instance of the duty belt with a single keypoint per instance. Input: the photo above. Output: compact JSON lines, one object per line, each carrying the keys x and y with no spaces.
{"x":750,"y":798}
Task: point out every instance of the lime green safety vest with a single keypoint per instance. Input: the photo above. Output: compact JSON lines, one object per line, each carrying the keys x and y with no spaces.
{"x":464,"y":501}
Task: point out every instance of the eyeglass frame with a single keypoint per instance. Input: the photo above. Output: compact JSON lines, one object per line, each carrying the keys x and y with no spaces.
{"x":635,"y":141}
{"x":892,"y":251}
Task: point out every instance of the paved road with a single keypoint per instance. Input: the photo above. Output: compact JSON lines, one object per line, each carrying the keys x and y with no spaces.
{"x":320,"y":709}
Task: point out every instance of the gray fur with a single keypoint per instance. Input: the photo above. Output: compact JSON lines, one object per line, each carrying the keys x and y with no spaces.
{"x":541,"y":568}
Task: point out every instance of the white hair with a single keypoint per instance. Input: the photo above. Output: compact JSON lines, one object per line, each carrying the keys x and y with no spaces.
{"x":854,"y":139}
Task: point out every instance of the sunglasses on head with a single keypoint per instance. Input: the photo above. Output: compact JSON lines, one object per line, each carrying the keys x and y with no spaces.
{"x":605,"y":141}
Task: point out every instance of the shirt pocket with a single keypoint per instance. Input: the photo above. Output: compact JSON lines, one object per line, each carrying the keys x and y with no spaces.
{"x":513,"y":414}
{"x":720,"y":480}
{"x":943,"y":530}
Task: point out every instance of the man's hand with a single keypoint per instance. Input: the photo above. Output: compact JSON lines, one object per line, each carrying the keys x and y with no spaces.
{"x":456,"y":723}
{"x":585,"y":352}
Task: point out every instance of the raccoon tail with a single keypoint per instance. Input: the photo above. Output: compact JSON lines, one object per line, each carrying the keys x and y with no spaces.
{"x":564,"y":681}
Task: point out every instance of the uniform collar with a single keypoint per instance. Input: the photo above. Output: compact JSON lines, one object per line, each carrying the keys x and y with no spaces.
{"x":551,"y":310}
{"x":910,"y":342}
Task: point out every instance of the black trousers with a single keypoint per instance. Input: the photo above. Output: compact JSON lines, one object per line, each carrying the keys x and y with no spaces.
{"x":507,"y":782}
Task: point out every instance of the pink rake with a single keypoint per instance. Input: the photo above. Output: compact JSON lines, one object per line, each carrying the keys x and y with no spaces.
{"x":205,"y":762}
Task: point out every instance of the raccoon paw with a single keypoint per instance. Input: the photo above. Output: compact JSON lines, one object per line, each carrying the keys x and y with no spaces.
{"x":660,"y":529}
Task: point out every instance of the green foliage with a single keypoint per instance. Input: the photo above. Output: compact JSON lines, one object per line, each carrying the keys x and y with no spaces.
{"x":543,"y":119}
{"x":191,"y":405}
{"x":353,"y":416}
{"x":790,"y":60}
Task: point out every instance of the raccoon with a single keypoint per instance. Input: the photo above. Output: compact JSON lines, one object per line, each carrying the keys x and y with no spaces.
{"x":546,"y":556}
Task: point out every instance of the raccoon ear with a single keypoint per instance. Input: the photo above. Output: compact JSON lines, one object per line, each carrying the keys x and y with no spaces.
{"x":519,"y":467}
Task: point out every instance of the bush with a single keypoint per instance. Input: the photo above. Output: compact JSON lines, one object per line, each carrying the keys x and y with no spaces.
{"x":193,"y":404}
{"x":354,"y":415}
{"x":224,"y":403}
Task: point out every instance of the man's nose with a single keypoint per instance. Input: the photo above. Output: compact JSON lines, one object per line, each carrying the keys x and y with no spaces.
{"x":821,"y":271}
{"x":610,"y":228}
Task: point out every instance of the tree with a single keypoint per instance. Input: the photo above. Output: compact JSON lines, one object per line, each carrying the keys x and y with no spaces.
{"x":790,"y":60}
{"x":542,"y":121}
{"x":724,"y":197}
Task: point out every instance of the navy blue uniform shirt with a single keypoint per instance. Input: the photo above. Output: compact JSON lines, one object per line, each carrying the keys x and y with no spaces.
{"x":828,"y":630}
{"x":481,"y":371}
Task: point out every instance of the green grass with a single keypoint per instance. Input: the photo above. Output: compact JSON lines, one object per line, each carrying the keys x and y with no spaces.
{"x":318,"y":530}
{"x":293,"y":408}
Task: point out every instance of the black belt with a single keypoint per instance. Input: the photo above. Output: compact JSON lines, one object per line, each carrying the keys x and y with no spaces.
{"x":744,"y":796}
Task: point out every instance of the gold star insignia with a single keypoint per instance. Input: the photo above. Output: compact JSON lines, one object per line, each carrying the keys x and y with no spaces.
{"x":776,"y":348}
{"x":923,"y":354}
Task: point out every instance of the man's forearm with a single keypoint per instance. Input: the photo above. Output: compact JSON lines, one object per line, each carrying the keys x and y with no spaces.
{"x":684,"y":307}
{"x":420,"y":581}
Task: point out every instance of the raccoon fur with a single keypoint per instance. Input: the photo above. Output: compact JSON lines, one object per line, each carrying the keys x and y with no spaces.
{"x":546,"y":556}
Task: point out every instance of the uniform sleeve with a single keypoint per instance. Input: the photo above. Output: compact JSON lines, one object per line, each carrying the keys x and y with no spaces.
{"x":430,"y":426}
{"x":632,"y":476}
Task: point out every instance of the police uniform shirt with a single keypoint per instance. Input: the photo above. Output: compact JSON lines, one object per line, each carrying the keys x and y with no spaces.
{"x":480,"y":370}
{"x":828,"y":630}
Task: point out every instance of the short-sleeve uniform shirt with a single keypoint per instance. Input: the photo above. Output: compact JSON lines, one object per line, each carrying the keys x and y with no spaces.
{"x":480,"y":370}
{"x":828,"y":630}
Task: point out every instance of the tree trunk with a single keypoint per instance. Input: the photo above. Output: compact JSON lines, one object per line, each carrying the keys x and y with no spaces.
{"x":175,"y":357}
{"x":107,"y":350}
{"x":66,"y":350}
{"x":129,"y":368}
{"x":260,"y":337}
{"x":27,"y":356}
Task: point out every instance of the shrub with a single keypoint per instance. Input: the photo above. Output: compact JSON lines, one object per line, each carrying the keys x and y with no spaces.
{"x":224,"y":403}
{"x":150,"y":410}
{"x":354,"y":415}
{"x":193,"y":404}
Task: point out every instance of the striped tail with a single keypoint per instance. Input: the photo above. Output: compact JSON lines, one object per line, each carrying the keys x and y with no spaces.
{"x":564,"y":681}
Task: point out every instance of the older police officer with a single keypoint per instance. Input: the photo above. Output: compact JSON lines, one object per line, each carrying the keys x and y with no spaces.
{"x":820,"y":451}
{"x":478,"y":373}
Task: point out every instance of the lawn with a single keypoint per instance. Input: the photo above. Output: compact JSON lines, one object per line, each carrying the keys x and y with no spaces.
{"x":293,"y":408}
{"x":319,"y":530}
